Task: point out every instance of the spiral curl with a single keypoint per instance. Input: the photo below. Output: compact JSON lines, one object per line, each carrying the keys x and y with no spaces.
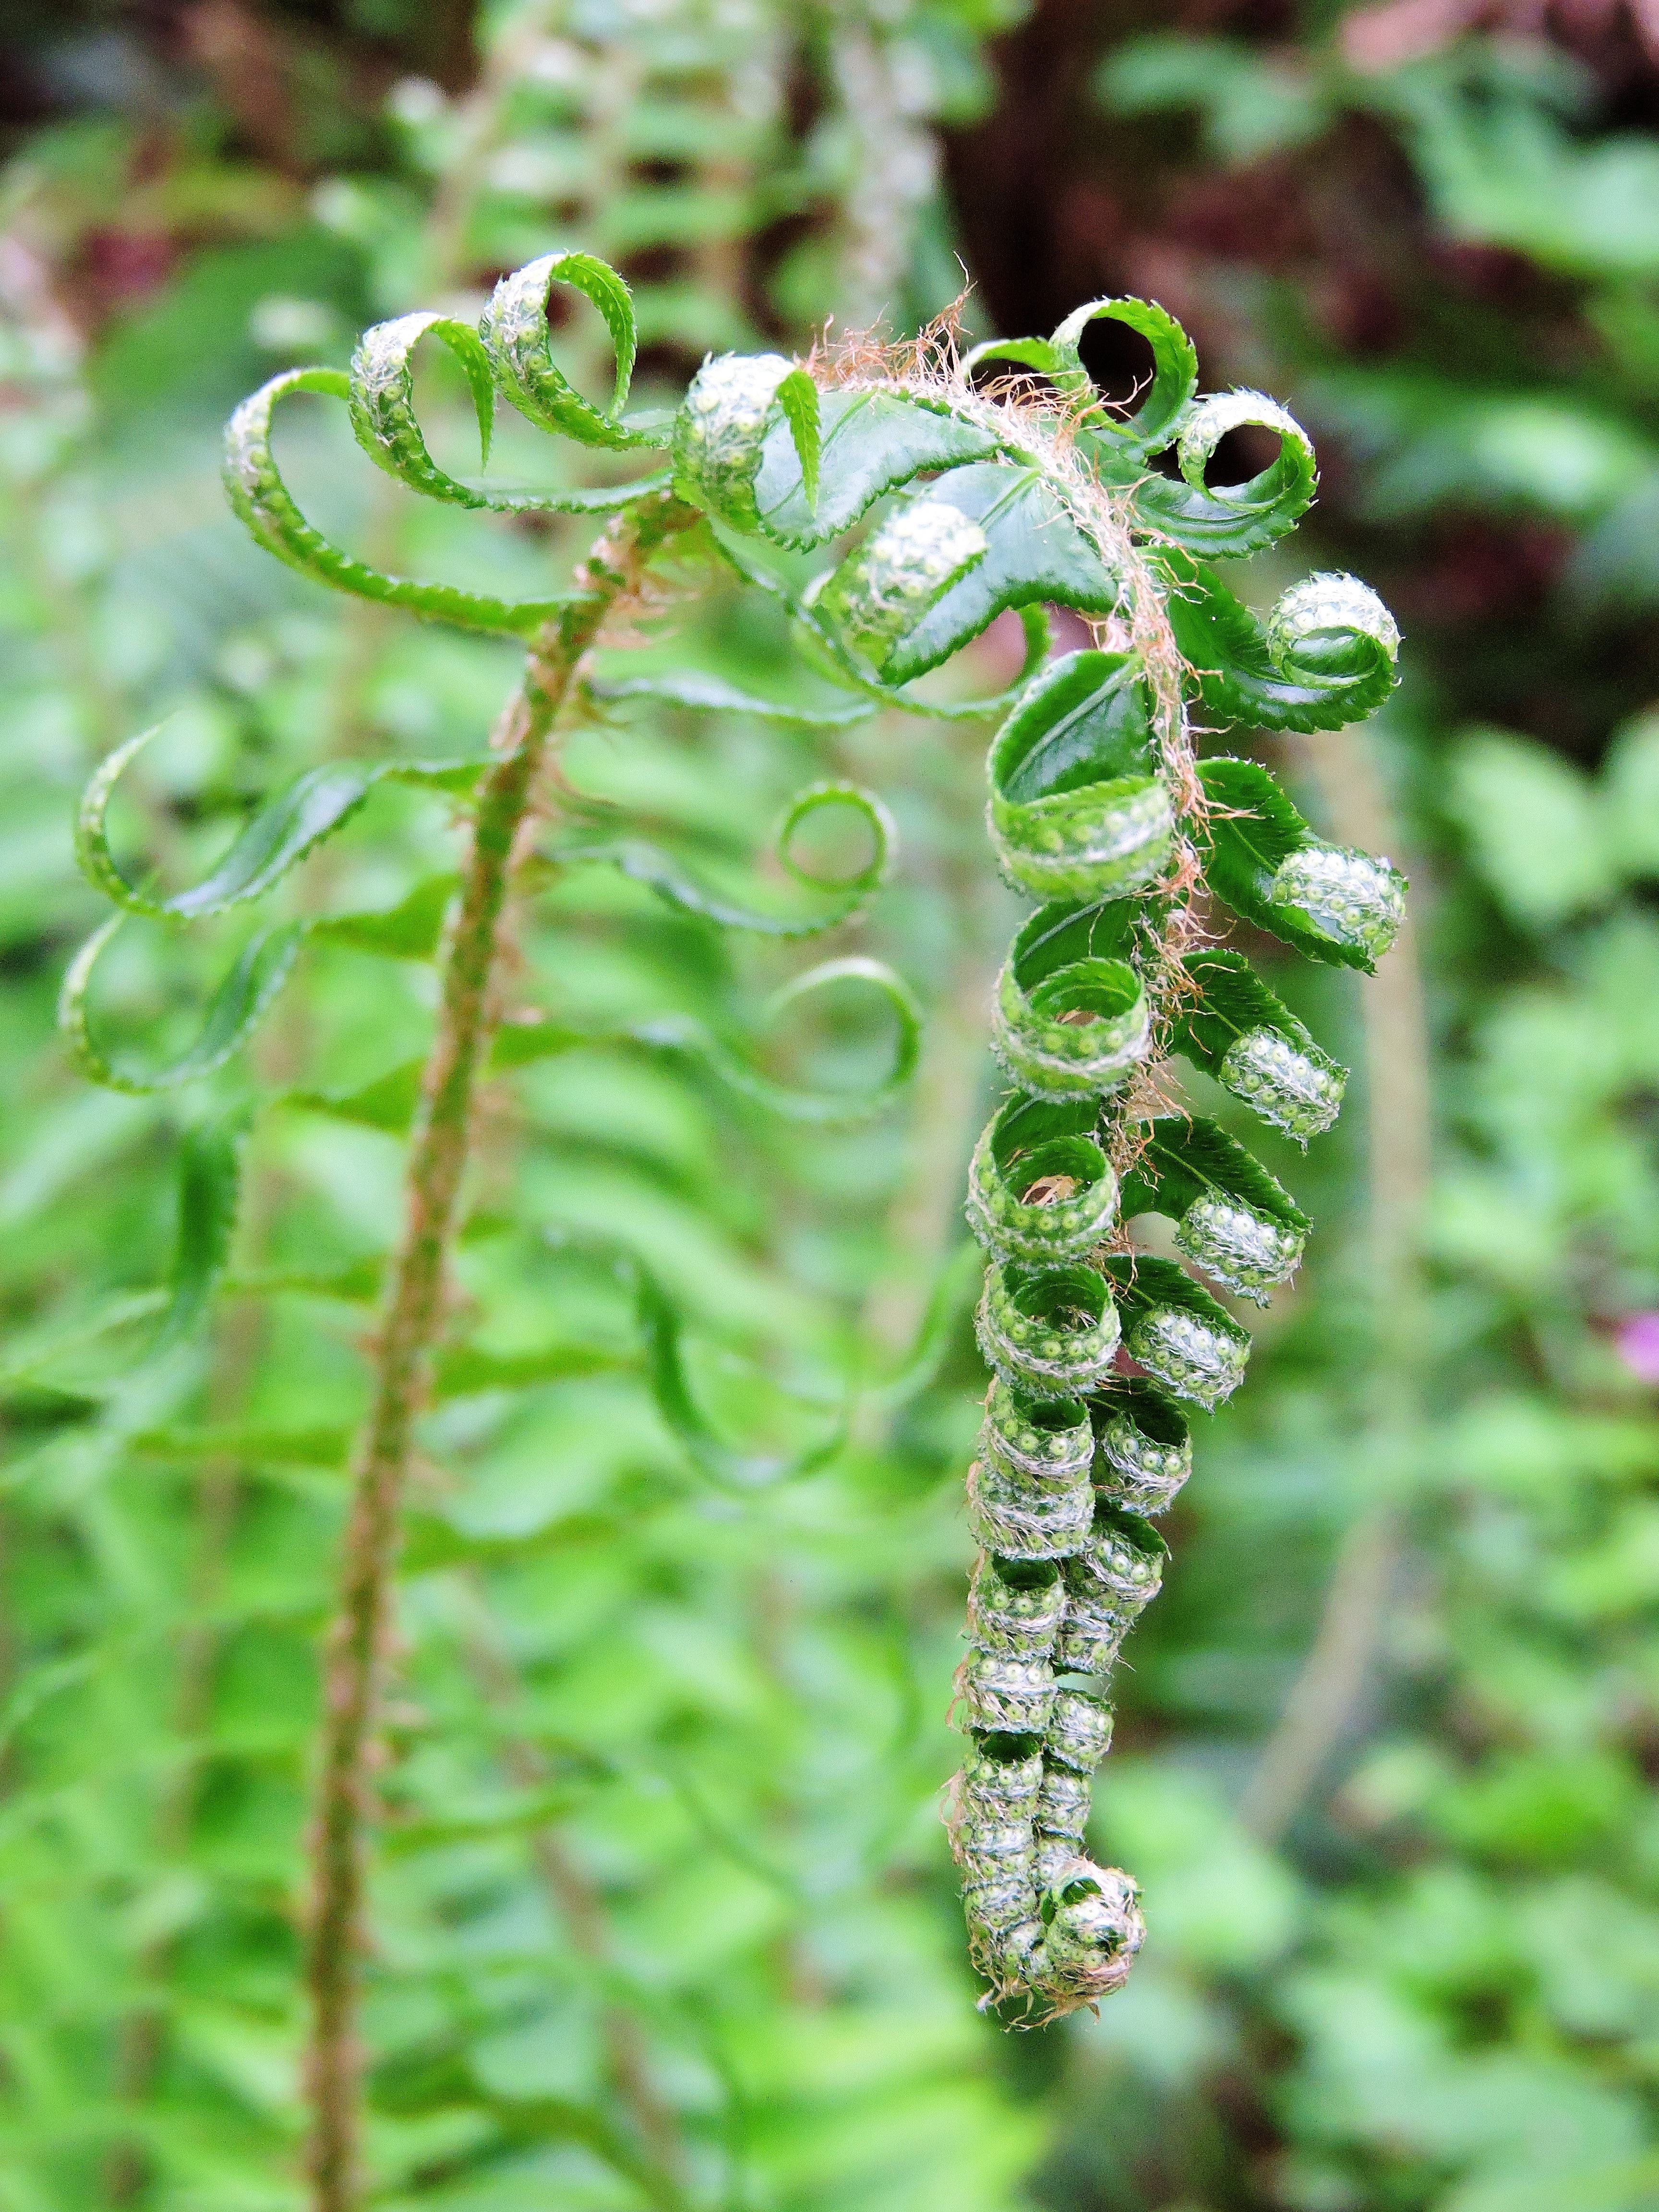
{"x":1097,"y":809}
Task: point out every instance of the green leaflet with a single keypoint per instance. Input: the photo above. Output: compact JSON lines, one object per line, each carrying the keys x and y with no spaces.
{"x":1065,"y":962}
{"x":381,"y":398}
{"x":1332,"y":903}
{"x":1325,"y":658}
{"x":274,"y":841}
{"x":1232,"y":1219}
{"x":1186,"y":1342}
{"x":1143,"y":1447}
{"x":728,"y":1469}
{"x":235,"y":1012}
{"x":521,"y":1042}
{"x":514,"y":330}
{"x":1232,"y":519}
{"x":1034,"y":553}
{"x":1241,"y":1033}
{"x":1047,"y":1439}
{"x":277,"y":838}
{"x":1077,"y":809}
{"x":263,"y":502}
{"x":1079,"y":1032}
{"x":647,"y":864}
{"x":692,"y":687}
{"x":885,"y":587}
{"x":827,"y":653}
{"x":411,"y":930}
{"x":1039,"y":1186}
{"x":1175,"y":375}
{"x":721,"y":430}
{"x":388,"y":1104}
{"x":871,"y":442}
{"x":209,"y":1178}
{"x":1155,"y":422}
{"x":798,"y":396}
{"x":1049,"y":1332}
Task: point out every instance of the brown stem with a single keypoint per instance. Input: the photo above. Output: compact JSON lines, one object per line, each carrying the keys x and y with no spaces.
{"x":353,"y":1656}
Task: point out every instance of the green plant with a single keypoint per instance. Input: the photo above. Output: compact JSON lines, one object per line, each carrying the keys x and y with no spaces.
{"x":1096,"y":797}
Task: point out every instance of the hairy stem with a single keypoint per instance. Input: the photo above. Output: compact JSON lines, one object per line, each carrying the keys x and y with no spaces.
{"x":355,"y":1651}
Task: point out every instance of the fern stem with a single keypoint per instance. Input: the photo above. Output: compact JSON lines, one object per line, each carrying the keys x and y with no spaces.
{"x":355,"y":1652}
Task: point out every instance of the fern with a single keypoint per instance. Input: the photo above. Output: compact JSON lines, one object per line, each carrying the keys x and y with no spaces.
{"x":1094,"y":795}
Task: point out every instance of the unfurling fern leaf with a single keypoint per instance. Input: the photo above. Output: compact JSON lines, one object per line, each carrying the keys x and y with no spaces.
{"x":1096,"y":807}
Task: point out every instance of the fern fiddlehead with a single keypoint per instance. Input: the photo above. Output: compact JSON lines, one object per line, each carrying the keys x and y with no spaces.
{"x":1000,"y":502}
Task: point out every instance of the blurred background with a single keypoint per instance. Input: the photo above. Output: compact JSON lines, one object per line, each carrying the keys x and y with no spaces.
{"x":664,"y":1915}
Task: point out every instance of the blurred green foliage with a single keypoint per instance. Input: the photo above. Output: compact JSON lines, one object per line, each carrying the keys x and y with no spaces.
{"x":664,"y":1910}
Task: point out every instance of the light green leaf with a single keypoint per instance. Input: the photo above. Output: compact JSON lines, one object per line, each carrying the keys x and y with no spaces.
{"x":234,"y":1013}
{"x":279,"y":836}
{"x":516,"y":336}
{"x":264,"y":503}
{"x":1534,"y":823}
{"x":1630,"y":798}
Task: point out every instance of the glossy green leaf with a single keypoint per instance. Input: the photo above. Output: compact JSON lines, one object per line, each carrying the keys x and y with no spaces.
{"x":1331,"y":901}
{"x":383,"y":418}
{"x":886,"y":586}
{"x":1039,"y":1186}
{"x":1077,"y":808}
{"x":1174,"y":378}
{"x":1177,"y":1332}
{"x":1064,"y":962}
{"x":382,"y":399}
{"x":519,"y":344}
{"x":1324,"y":658}
{"x":264,"y":505}
{"x":1230,"y":518}
{"x":720,"y":428}
{"x":1232,"y":1218}
{"x":1035,"y":553}
{"x":871,"y":442}
{"x":1240,"y":1032}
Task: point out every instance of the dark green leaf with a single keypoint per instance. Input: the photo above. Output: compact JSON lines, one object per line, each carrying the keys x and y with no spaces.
{"x":1319,"y":663}
{"x":1232,"y":519}
{"x":1036,"y":553}
{"x":871,"y":443}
